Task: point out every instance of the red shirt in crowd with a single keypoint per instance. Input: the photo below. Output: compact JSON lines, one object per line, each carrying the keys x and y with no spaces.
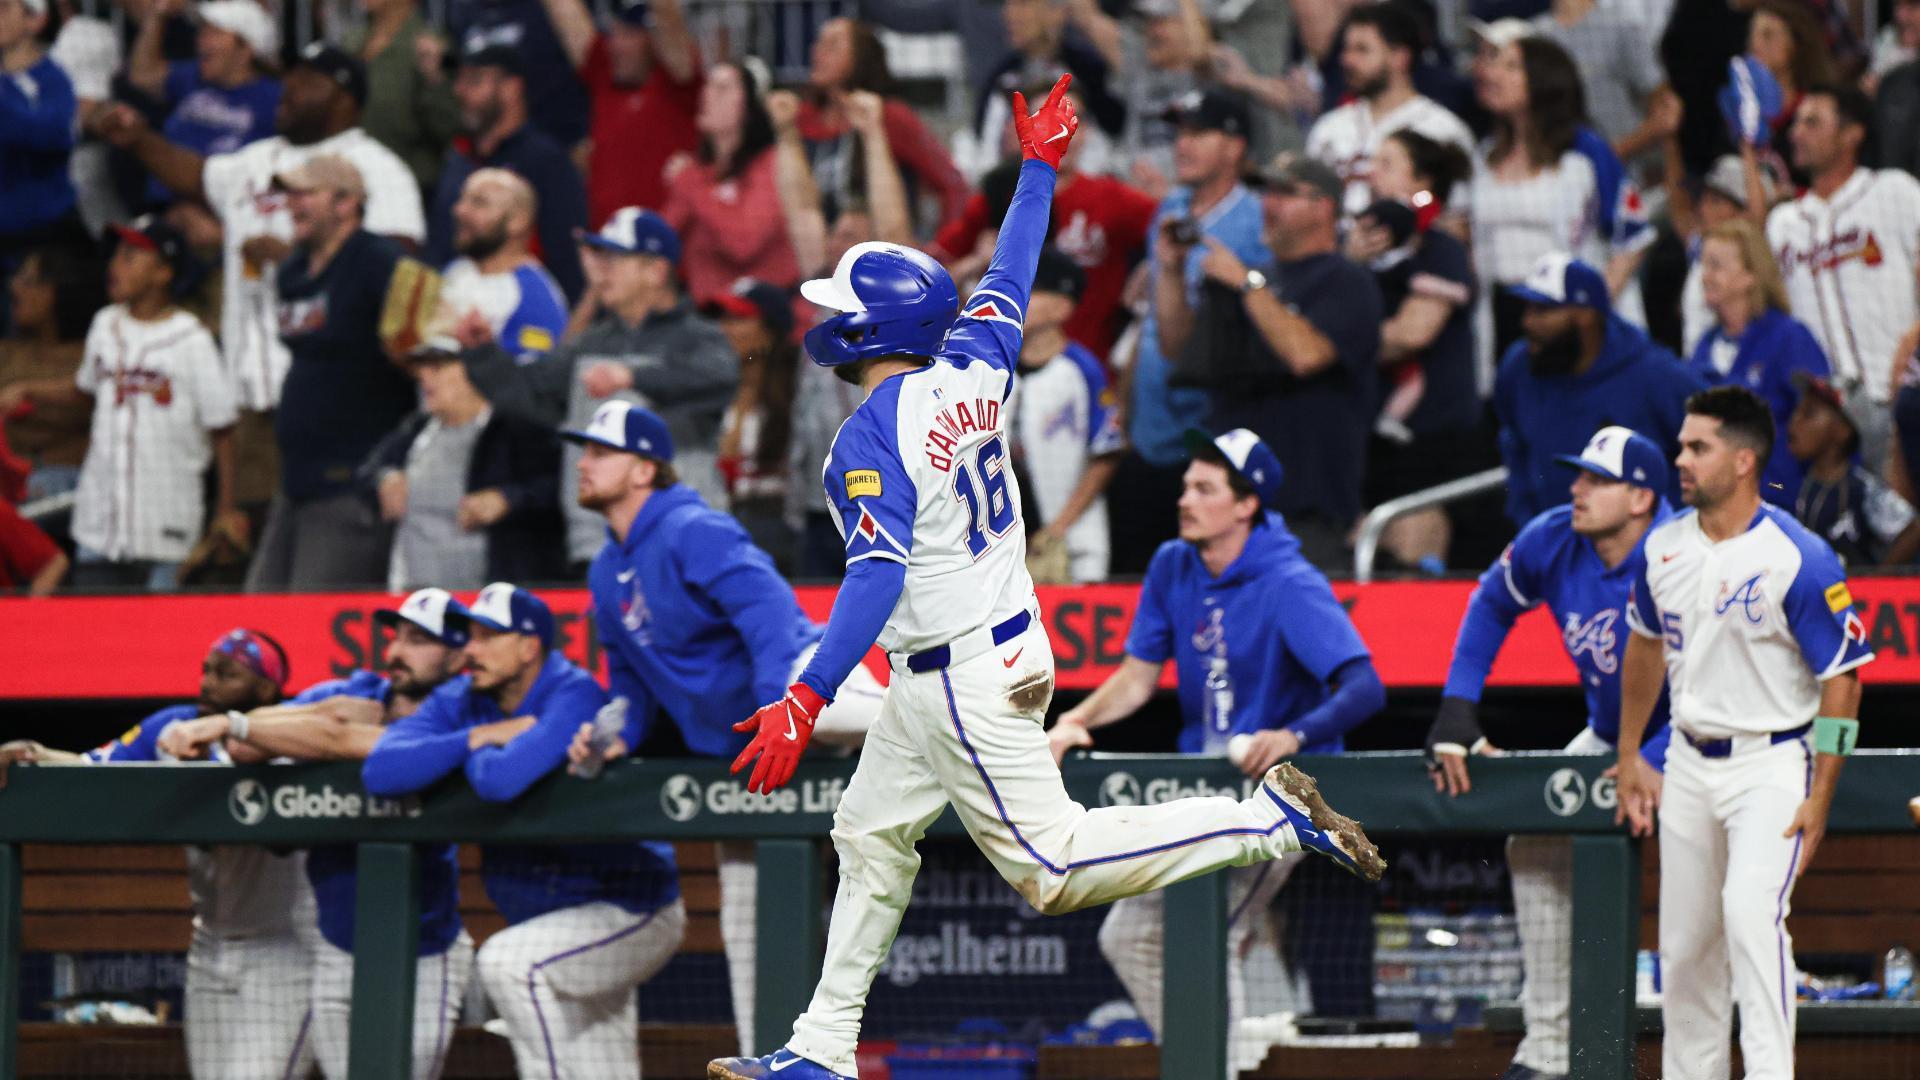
{"x":24,"y":549}
{"x":1099,"y":223}
{"x":922,"y":158}
{"x":636,"y":129}
{"x":730,"y":229}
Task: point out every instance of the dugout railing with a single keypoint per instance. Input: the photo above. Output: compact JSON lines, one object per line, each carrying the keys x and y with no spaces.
{"x":686,"y":800}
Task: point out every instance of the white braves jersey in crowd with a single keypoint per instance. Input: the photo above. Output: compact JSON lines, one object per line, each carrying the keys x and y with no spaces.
{"x":1347,"y":137}
{"x":1751,"y":624}
{"x":240,"y":192}
{"x":1062,"y":420}
{"x":921,"y":474}
{"x":158,"y":389}
{"x":1849,"y":264}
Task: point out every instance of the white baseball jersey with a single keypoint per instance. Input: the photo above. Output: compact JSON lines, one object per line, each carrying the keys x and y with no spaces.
{"x":1751,"y":624}
{"x":1062,"y":420}
{"x":158,"y":389}
{"x":239,"y":190}
{"x":1850,"y":264}
{"x":1347,"y":137}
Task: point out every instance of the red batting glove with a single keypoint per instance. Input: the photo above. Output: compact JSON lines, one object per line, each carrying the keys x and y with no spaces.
{"x":1045,"y":134}
{"x":781,"y":733}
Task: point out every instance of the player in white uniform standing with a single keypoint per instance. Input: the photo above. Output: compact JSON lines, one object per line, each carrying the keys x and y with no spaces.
{"x":1761,"y":644}
{"x":1381,"y":44}
{"x":320,"y":103}
{"x":1849,"y":250}
{"x":936,"y":573}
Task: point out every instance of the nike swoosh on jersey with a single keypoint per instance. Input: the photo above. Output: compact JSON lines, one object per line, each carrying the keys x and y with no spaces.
{"x":1014,"y":659}
{"x":1665,"y":559}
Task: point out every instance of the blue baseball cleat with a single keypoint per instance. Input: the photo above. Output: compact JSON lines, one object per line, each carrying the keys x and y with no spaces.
{"x":1317,"y":825}
{"x":782,"y":1064}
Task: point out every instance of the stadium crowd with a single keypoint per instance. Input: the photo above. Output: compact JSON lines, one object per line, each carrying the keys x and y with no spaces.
{"x":310,"y":318}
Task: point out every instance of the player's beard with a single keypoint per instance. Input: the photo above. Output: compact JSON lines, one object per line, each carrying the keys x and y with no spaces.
{"x":483,"y":243}
{"x":1557,"y":355}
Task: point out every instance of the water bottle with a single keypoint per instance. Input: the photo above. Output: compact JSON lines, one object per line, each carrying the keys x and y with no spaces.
{"x":607,"y":725}
{"x":1897,"y":975}
{"x":1219,"y":700}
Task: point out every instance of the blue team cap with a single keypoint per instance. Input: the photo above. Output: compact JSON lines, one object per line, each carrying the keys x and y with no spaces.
{"x":624,"y":426}
{"x":634,"y":231}
{"x":432,"y":610}
{"x":1560,"y":280}
{"x":1248,"y":456}
{"x":513,"y":610}
{"x":1620,"y":453}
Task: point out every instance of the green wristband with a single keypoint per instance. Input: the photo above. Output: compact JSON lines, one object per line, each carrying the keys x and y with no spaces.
{"x":1835,"y":735}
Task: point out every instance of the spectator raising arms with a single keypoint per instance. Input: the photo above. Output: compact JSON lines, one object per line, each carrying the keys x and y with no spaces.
{"x":492,"y":89}
{"x":643,"y":75}
{"x":1754,"y":342}
{"x":221,"y":100}
{"x":54,"y":296}
{"x":1786,"y":37}
{"x":1578,"y":368}
{"x":1725,"y":196}
{"x":725,"y":203}
{"x":321,"y":102}
{"x":848,"y":56}
{"x":410,"y":107}
{"x":36,"y":138}
{"x":1550,"y":184}
{"x":1429,"y":429}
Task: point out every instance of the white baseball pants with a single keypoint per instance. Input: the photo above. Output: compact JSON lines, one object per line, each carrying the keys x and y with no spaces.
{"x":1133,"y":939}
{"x":1726,"y":879}
{"x":564,"y":983}
{"x":842,"y":725}
{"x":1542,"y":872}
{"x":247,"y":1007}
{"x":971,"y":734}
{"x":439,"y":987}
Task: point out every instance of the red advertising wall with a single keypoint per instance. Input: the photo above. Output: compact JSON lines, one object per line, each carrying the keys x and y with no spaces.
{"x":151,"y":647}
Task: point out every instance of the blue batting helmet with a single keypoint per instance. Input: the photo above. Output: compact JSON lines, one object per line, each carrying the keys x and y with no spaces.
{"x":891,"y":300}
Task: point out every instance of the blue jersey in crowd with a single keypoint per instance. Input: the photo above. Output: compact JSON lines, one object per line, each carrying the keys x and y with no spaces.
{"x":695,"y":621}
{"x":1634,"y":382}
{"x":523,"y":880}
{"x":1549,"y":563}
{"x":36,"y":140}
{"x":331,"y":867}
{"x":141,"y":742}
{"x":1254,"y":648}
{"x":209,"y":119}
{"x":1763,"y":359}
{"x":1162,"y":413}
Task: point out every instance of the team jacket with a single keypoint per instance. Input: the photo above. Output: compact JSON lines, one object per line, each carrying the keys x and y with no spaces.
{"x":1549,"y":563}
{"x":695,"y":621}
{"x":523,"y":880}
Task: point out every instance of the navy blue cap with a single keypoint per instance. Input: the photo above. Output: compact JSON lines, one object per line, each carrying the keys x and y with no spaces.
{"x":633,"y":230}
{"x":633,"y":13}
{"x":1620,"y":453}
{"x":432,"y":610}
{"x":511,"y":609}
{"x":345,"y":69}
{"x":154,"y":234}
{"x":494,"y":54}
{"x":751,"y":298}
{"x":1560,"y":280}
{"x":1248,"y":456}
{"x":629,"y":428}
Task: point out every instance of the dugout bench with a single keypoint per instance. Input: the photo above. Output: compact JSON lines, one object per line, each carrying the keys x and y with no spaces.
{"x":60,"y":898}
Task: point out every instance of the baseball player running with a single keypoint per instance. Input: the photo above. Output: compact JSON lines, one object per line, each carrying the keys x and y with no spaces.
{"x":1579,"y":560}
{"x":341,"y":720}
{"x":1269,"y":666}
{"x":697,"y":624}
{"x":586,"y":923}
{"x":248,"y":963}
{"x":1751,"y":614}
{"x":936,"y":573}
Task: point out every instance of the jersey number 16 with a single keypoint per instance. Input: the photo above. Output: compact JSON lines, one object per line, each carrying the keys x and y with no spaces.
{"x":990,"y":511}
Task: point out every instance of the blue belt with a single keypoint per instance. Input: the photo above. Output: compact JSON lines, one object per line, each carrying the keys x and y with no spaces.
{"x":941,"y":655}
{"x":1719,"y":748}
